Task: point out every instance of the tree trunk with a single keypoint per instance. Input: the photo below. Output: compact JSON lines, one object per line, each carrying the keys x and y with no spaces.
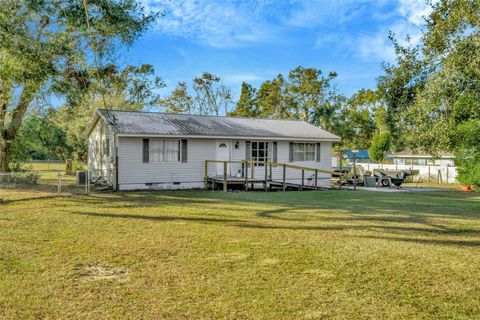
{"x":5,"y":148}
{"x":8,"y":133}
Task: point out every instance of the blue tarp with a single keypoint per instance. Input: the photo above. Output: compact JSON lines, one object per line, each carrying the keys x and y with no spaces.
{"x":361,"y":154}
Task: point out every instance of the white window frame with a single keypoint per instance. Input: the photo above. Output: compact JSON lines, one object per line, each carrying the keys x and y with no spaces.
{"x":300,"y":151}
{"x":267,"y":149}
{"x":163,"y":158}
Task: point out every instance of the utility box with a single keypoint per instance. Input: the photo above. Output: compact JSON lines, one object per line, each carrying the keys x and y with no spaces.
{"x":81,"y":178}
{"x":370,"y":182}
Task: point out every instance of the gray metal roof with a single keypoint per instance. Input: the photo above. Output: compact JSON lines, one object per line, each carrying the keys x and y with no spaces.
{"x":155,"y":123}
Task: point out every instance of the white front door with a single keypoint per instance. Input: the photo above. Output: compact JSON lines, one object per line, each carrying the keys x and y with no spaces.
{"x":222,"y":154}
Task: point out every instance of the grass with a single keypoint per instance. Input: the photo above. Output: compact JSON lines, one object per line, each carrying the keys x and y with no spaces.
{"x":195,"y":254}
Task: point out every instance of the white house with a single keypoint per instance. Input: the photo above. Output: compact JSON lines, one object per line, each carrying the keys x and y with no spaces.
{"x":150,"y":150}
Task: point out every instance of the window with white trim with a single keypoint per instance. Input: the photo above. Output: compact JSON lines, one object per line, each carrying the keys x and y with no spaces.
{"x":261,"y":151}
{"x":304,"y":152}
{"x":164,"y":150}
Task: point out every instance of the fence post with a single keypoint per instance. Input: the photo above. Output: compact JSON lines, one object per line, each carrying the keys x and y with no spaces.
{"x":225,"y":176}
{"x":447,"y":174}
{"x":429,"y":176}
{"x":284,"y":174}
{"x":59,"y":183}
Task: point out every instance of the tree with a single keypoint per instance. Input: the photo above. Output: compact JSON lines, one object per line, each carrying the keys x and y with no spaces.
{"x":272,"y":101}
{"x":179,"y":101}
{"x":46,"y":47}
{"x":380,"y":145}
{"x":398,"y":87}
{"x":212,"y":96}
{"x":442,"y":81}
{"x":307,"y":91}
{"x":247,"y":104}
{"x":40,"y":138}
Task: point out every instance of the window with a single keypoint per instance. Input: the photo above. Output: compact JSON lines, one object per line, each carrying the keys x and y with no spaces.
{"x":107,"y":147}
{"x":146,"y":150}
{"x":261,"y":151}
{"x":304,"y":152}
{"x":416,"y":161}
{"x":162,"y":150}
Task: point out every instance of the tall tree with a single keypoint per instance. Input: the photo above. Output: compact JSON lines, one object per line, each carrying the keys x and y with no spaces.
{"x":308,"y":92}
{"x":179,"y":101}
{"x":46,"y":45}
{"x":212,"y":96}
{"x":272,"y":101}
{"x":247,"y":104}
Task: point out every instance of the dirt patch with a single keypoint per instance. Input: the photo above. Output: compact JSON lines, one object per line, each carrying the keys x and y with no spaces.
{"x":95,"y":273}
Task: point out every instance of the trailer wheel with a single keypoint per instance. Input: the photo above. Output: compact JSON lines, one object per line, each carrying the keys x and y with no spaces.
{"x":385,"y":183}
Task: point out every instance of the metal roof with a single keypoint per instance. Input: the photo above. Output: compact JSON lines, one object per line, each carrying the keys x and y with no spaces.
{"x":156,"y":123}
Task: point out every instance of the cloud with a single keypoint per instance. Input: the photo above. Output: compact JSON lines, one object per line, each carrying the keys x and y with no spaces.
{"x":414,"y":10}
{"x":214,"y":23}
{"x":238,"y":78}
{"x":313,"y":13}
{"x":410,"y":20}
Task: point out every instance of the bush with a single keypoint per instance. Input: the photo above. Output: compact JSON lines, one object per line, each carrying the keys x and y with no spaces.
{"x":23,"y":178}
{"x":468,"y":170}
{"x":467,"y":153}
{"x":380,"y":145}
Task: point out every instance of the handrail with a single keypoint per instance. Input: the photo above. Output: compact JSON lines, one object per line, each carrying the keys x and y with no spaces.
{"x":267,"y":165}
{"x":275,"y":164}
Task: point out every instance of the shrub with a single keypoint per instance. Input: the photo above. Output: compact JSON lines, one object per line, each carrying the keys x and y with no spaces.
{"x":380,"y":144}
{"x":23,"y":178}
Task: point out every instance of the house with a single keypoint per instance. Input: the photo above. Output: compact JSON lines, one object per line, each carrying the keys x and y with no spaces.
{"x":151,"y":150}
{"x":421,"y":159}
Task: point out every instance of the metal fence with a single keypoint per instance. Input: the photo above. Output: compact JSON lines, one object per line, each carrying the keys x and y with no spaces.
{"x":27,"y":184}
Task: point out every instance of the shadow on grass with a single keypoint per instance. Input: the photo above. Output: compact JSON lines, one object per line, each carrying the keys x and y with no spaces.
{"x":413,"y":232}
{"x":441,"y":242}
{"x":156,"y":218}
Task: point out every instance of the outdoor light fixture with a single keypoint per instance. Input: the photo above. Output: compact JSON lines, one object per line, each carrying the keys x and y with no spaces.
{"x":237,"y":144}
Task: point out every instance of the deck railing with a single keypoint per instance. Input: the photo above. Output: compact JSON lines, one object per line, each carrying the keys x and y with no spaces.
{"x":248,"y":172}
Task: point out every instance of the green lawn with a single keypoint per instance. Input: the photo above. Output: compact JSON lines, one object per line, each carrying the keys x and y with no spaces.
{"x":197,"y":255}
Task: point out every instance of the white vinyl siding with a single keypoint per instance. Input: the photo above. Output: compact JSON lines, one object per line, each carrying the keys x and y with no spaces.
{"x":133,"y":171}
{"x":101,"y":146}
{"x":134,"y":174}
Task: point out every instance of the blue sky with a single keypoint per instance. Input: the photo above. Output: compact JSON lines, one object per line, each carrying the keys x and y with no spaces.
{"x":255,"y":40}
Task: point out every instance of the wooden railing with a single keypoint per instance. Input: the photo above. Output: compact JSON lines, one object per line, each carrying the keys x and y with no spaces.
{"x":268,"y":169}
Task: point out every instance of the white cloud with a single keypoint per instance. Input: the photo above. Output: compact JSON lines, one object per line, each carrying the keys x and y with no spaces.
{"x":414,"y":11}
{"x":411,"y":19}
{"x":240,"y":77}
{"x":215,"y":23}
{"x":376,"y":46}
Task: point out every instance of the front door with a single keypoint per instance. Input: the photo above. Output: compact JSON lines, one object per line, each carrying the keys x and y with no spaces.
{"x":222,"y":154}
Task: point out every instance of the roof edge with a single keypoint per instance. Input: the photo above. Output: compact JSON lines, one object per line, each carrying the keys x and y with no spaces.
{"x":337,"y":139}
